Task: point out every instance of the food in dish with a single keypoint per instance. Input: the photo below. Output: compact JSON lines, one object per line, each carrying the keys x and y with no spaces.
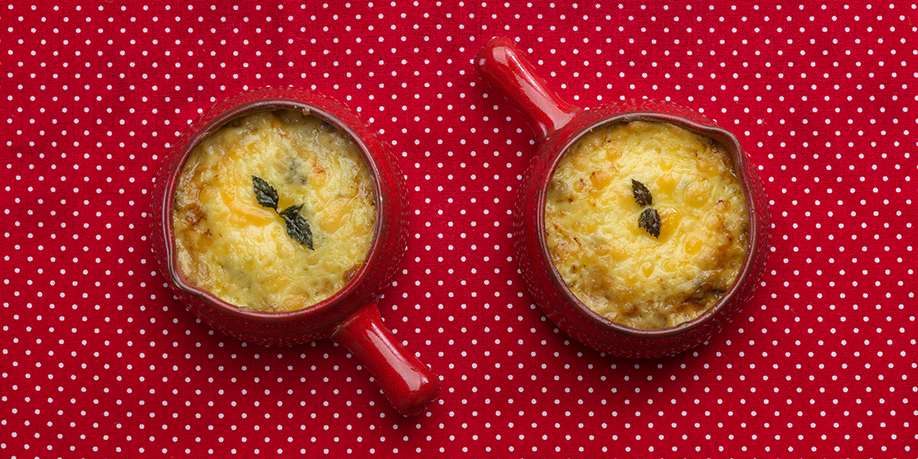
{"x":274,"y":212}
{"x":646,"y":223}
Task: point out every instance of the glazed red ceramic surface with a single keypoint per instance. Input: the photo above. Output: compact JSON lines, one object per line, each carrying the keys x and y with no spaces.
{"x":558,"y":124}
{"x":97,"y":359}
{"x":351,"y":315}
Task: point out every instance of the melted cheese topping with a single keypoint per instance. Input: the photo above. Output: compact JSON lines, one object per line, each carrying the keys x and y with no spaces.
{"x":229,"y":245}
{"x":615,"y":267}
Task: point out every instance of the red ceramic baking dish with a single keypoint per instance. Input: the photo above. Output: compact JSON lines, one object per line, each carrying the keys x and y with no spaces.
{"x":558,"y":125}
{"x":351,"y":316}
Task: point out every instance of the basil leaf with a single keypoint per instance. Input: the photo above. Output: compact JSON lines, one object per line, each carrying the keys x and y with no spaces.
{"x":265,"y":194}
{"x":650,"y":221}
{"x":297,"y":226}
{"x":641,"y":194}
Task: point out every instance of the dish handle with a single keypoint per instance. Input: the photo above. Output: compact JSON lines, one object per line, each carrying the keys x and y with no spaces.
{"x":406,"y":382}
{"x":505,"y":67}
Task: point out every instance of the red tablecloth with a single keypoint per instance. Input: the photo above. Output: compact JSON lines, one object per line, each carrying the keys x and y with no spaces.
{"x":97,"y":359}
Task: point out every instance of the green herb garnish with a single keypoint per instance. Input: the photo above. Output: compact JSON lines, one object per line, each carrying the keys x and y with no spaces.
{"x":265,"y":194}
{"x":297,"y":226}
{"x":650,"y":221}
{"x":641,"y":194}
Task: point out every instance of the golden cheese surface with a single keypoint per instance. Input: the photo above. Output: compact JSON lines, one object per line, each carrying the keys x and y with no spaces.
{"x":229,"y":245}
{"x":615,"y":267}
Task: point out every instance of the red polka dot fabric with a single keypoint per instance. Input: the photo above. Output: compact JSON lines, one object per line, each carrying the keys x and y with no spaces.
{"x":97,"y":358}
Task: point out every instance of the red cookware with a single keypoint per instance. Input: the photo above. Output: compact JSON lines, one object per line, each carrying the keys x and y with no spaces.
{"x":558,"y":124}
{"x":350,"y":316}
